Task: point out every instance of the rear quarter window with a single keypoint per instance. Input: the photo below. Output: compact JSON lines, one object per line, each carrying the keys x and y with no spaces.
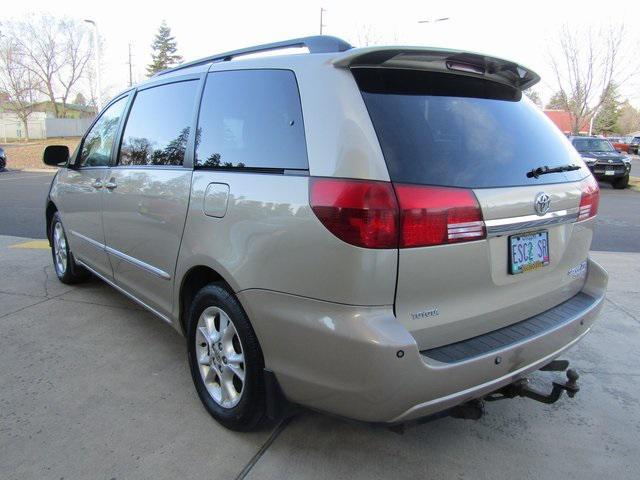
{"x":251,"y":119}
{"x":452,"y":130}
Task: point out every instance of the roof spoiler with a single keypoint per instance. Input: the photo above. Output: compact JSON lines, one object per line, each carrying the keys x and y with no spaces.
{"x":440,"y":60}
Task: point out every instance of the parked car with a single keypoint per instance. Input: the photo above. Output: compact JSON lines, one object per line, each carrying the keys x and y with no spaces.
{"x":604,"y":161}
{"x":634,"y":144}
{"x":621,"y":144}
{"x":382,"y":233}
{"x":3,"y":159}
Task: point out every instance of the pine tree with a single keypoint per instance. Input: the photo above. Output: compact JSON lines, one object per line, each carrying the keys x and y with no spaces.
{"x":164,"y":51}
{"x":607,"y":117}
{"x":558,"y":101}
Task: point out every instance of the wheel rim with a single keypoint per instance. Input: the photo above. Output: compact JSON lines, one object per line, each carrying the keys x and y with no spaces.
{"x":59,"y":249}
{"x":220,"y":357}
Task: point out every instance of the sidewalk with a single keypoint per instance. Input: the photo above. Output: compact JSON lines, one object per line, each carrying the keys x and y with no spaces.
{"x":91,"y":386}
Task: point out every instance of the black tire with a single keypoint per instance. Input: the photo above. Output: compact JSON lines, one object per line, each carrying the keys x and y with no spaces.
{"x":72,"y":273}
{"x":248,"y":413}
{"x":621,"y":182}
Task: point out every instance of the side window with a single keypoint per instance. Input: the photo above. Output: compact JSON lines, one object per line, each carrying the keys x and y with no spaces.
{"x":157,"y":128}
{"x":251,"y":118}
{"x":97,"y":145}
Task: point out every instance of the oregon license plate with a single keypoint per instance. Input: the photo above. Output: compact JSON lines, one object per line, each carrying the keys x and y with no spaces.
{"x":528,"y":251}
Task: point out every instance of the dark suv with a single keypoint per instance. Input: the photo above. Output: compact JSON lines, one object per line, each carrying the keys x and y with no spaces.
{"x":605,"y":162}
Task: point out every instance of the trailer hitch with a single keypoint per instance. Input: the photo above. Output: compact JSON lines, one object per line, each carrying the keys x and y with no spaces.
{"x":521,"y":388}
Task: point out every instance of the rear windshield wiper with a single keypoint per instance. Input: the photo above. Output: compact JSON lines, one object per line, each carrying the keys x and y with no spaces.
{"x":536,"y":172}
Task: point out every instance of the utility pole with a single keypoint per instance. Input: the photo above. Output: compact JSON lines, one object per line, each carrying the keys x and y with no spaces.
{"x":96,"y":46}
{"x":130,"y":68}
{"x":322,"y":11}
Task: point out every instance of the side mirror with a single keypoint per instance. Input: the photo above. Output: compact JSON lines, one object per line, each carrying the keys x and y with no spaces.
{"x":55,"y":155}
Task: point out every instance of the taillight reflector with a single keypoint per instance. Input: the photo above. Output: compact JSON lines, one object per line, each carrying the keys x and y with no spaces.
{"x":590,"y":198}
{"x":438,"y":215}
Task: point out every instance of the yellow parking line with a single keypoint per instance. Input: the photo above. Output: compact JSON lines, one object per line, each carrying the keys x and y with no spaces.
{"x":37,"y":244}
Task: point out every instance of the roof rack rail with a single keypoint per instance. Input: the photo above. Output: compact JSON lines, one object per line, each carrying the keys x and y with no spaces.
{"x":315,"y":44}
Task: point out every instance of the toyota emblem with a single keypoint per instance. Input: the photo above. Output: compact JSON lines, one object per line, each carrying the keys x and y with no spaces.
{"x":542,"y":203}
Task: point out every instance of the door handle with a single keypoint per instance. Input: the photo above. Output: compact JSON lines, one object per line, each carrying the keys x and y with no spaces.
{"x":98,"y":184}
{"x":110,"y":185}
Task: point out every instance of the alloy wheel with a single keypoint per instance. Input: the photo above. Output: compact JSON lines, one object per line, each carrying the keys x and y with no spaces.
{"x":60,"y":249}
{"x":220,"y":357}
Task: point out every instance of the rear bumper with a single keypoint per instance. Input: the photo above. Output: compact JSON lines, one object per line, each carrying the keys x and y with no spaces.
{"x":361,"y":363}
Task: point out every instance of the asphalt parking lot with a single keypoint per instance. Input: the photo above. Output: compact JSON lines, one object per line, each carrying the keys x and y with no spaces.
{"x":91,"y":386}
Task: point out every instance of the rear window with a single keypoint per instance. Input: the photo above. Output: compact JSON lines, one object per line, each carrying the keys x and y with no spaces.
{"x":452,"y":130}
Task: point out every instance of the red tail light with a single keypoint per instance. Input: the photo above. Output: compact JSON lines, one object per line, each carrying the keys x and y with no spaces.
{"x":359,"y":212}
{"x":590,"y":198}
{"x":370,"y":214}
{"x":438,"y":215}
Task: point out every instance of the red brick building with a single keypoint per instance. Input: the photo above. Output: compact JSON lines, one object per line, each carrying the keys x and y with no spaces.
{"x":562,"y":119}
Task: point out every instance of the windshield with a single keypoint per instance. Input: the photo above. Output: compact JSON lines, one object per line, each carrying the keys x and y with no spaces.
{"x":592,"y":145}
{"x":453,"y":130}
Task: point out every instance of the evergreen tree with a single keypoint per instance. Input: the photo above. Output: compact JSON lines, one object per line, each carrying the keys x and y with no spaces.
{"x":80,"y":100}
{"x":607,"y":117}
{"x":558,"y":101}
{"x":164,"y":53}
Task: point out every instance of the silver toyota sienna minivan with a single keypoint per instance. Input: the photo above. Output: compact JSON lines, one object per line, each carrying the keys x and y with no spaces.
{"x":381,"y":233}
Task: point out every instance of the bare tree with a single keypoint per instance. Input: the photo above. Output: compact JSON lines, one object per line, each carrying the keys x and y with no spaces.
{"x":585,"y":63}
{"x":367,"y":35}
{"x":76,"y":52}
{"x":38,"y":38}
{"x":534,"y":96}
{"x":56,"y":51}
{"x":16,"y":82}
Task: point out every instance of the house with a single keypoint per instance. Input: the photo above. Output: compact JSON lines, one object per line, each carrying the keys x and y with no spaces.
{"x":563,"y":121}
{"x":71,"y":110}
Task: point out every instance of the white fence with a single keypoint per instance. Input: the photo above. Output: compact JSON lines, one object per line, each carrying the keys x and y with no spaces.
{"x":66,"y":127}
{"x":41,"y":127}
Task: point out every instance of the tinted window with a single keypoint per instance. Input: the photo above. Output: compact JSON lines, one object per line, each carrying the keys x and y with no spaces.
{"x":251,"y":118}
{"x":452,"y":130}
{"x":592,"y":145}
{"x":157,"y":128}
{"x":97,"y":145}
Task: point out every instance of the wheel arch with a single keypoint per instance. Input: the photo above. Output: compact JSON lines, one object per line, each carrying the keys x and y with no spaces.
{"x":49,"y":212}
{"x":192,"y":281}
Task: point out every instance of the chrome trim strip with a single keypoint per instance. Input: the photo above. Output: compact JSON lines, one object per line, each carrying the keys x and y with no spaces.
{"x":504,"y":226}
{"x":88,"y":240}
{"x":138,"y":263}
{"x":125,"y":293}
{"x":123,"y":256}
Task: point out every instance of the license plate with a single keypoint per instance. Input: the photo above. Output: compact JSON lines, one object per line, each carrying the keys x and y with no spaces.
{"x":609,"y":172}
{"x":528,"y":252}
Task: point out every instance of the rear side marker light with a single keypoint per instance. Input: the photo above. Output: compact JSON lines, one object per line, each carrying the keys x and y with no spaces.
{"x":589,"y":199}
